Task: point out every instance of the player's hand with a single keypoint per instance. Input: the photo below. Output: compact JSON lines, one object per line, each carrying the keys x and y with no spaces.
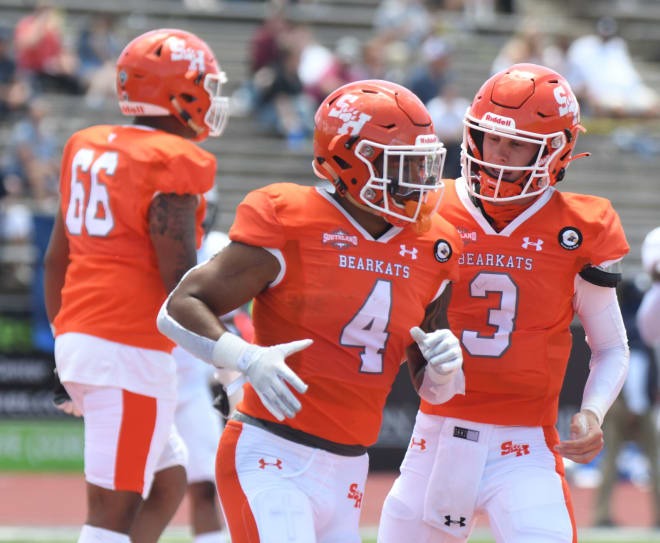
{"x":586,"y":439}
{"x":229,"y":390}
{"x":266,"y":369}
{"x":442,"y":351}
{"x":62,"y":400}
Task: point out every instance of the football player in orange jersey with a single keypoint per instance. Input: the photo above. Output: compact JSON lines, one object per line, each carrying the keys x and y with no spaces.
{"x":126,"y":230}
{"x":533,"y":258}
{"x":339,"y":277}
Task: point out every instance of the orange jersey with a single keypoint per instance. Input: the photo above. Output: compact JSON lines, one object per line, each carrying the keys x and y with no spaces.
{"x":110,"y":174}
{"x":355,"y":296}
{"x":512,"y":307}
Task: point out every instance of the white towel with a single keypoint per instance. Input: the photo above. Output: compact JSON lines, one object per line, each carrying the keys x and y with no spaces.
{"x":451,"y":495}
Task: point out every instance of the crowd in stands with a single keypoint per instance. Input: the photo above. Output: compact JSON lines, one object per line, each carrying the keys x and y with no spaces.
{"x":290,"y":71}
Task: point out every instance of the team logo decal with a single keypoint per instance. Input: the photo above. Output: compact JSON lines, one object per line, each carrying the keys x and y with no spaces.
{"x":123,"y":77}
{"x":570,"y":238}
{"x":442,"y":250}
{"x":352,"y":119}
{"x":468,"y":236}
{"x":340,"y":239}
{"x":567,"y":103}
{"x":195,"y":57}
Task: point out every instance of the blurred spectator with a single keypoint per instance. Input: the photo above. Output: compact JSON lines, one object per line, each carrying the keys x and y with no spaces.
{"x":373,"y":58}
{"x":604,"y":75}
{"x":31,"y":159}
{"x":428,"y":78}
{"x":14,"y":90}
{"x":98,"y":48}
{"x":266,"y":42}
{"x":648,"y":316}
{"x":532,"y":45}
{"x":344,"y":67}
{"x":280,"y":103}
{"x":447,"y":112}
{"x":631,"y":417}
{"x":408,"y":21}
{"x":41,"y":51}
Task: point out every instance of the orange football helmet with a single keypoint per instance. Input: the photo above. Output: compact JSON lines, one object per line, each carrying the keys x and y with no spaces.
{"x":173,"y":72}
{"x":375,"y":141}
{"x":526,"y":103}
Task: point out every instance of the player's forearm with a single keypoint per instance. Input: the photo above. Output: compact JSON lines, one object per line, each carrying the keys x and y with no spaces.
{"x":600,"y":315}
{"x":191,"y":324}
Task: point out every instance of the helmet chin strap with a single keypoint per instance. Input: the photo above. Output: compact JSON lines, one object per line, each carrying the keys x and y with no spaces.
{"x":186,"y":117}
{"x":423,"y":222}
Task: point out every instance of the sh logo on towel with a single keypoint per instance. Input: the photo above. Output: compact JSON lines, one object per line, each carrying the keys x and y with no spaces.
{"x":509,"y":447}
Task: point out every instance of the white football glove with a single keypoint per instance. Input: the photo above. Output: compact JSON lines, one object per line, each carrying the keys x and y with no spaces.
{"x":266,"y":369}
{"x":442,"y":351}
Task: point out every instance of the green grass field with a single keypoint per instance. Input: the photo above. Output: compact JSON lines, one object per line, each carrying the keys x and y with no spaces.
{"x":181,"y":535}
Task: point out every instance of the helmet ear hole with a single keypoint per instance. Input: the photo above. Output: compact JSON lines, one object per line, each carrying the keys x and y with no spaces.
{"x":341,"y":162}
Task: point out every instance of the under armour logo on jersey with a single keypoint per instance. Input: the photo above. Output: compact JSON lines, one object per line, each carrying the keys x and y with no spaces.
{"x":527,"y":242}
{"x":353,"y":119}
{"x":449,"y":521}
{"x":405,"y":251}
{"x":355,"y":494}
{"x":421,"y":444}
{"x":111,"y":137}
{"x":263,"y":463}
{"x":181,"y":52}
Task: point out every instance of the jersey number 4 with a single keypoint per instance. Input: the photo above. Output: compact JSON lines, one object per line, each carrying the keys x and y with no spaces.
{"x":368,"y":327}
{"x":96,"y":215}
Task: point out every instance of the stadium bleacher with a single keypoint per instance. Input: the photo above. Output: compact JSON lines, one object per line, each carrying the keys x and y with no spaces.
{"x":248,"y":157}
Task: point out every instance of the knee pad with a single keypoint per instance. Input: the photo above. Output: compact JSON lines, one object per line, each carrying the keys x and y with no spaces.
{"x":283,"y":514}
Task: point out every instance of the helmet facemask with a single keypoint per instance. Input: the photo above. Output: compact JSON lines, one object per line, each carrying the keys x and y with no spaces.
{"x":401,"y":177}
{"x":502,"y":183}
{"x":218,"y":113}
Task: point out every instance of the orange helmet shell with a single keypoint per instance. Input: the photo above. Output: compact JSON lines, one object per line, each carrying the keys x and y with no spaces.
{"x":172,"y":72}
{"x":358,"y":125}
{"x":531,"y":103}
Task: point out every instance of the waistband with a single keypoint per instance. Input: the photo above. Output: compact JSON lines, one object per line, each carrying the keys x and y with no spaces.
{"x":298,"y":436}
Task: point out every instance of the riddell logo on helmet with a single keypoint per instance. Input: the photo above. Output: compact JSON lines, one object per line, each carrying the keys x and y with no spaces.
{"x":131,"y":109}
{"x":425,"y":139}
{"x":499,"y":120}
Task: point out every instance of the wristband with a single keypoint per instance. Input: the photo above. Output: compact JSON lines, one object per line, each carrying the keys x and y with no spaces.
{"x":229,"y":352}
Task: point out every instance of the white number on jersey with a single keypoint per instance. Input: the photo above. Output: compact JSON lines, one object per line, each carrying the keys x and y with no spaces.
{"x":503,"y":318}
{"x":368,"y":327}
{"x":97,"y":216}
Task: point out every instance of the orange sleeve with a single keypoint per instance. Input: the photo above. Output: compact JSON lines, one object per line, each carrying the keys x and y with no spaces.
{"x":610,"y":243}
{"x":257,"y":223}
{"x":190,"y":170}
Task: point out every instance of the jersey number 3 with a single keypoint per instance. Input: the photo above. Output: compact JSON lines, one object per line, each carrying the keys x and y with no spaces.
{"x":96,"y":215}
{"x":502,"y":318}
